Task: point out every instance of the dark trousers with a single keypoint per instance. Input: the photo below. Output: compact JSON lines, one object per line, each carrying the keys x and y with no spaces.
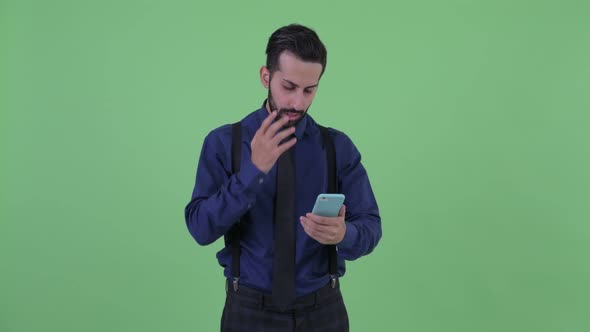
{"x":247,"y":310}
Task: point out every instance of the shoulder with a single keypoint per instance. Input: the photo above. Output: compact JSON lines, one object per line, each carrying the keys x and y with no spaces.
{"x":341,"y":140}
{"x":345,"y":148}
{"x":223,"y":134}
{"x":339,"y":136}
{"x":219,"y":136}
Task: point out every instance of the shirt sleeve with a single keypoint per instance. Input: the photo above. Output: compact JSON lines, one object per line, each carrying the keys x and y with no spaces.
{"x":219,"y":197}
{"x":363,"y":223}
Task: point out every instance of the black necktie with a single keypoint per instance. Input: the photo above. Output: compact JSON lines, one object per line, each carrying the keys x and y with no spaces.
{"x":283,"y":284}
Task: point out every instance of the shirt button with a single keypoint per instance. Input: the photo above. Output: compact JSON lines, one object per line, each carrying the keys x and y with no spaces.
{"x":249,"y":206}
{"x":260,"y":180}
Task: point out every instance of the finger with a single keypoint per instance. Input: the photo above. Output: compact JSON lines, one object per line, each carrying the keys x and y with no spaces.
{"x":283,"y":134}
{"x":311,"y":225}
{"x":342,"y":211}
{"x":306,"y":227}
{"x":313,"y":231}
{"x":325,"y":229}
{"x":267,"y":122}
{"x":326,"y":221}
{"x":286,"y":146}
{"x":273,"y":128}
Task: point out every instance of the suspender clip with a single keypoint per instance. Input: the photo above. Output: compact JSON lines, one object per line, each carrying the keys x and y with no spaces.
{"x":235,"y":283}
{"x":334,"y":279}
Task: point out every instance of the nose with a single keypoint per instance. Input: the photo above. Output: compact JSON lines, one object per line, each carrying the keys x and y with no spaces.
{"x":298,"y":102}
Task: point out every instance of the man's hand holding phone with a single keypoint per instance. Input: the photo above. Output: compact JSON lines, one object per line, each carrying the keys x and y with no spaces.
{"x":326,"y":229}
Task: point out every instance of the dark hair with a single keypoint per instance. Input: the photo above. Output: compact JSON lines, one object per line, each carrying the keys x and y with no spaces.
{"x":302,"y":41}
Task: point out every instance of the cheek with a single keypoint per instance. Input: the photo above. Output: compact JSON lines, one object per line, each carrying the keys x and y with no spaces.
{"x":279,"y":97}
{"x":309,"y":99}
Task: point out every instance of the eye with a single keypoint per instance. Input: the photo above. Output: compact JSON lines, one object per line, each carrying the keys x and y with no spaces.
{"x":290,"y":88}
{"x":307,"y":92}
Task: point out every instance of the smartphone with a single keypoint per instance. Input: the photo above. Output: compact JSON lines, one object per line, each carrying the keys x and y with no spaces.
{"x":328,"y":205}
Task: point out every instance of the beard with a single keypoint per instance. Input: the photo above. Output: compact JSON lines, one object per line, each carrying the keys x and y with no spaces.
{"x":281,"y":112}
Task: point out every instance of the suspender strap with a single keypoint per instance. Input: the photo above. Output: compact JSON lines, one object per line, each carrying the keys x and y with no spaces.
{"x":234,"y":233}
{"x":332,"y":188}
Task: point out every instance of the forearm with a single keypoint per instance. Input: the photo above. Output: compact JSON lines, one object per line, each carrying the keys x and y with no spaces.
{"x":210,"y":216}
{"x":362,"y":235}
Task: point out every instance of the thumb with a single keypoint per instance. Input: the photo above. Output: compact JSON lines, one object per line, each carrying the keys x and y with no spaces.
{"x":342,"y":211}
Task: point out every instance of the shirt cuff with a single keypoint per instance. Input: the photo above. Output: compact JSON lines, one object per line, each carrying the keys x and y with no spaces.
{"x":251,"y":177}
{"x":349,"y":237}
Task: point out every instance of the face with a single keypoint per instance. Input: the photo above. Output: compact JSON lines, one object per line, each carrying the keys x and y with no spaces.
{"x":292,"y":87}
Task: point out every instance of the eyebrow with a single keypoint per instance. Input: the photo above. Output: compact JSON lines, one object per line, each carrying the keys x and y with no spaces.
{"x":307,"y":87}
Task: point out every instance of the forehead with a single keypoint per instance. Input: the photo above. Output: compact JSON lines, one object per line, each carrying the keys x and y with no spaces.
{"x":300,"y":72}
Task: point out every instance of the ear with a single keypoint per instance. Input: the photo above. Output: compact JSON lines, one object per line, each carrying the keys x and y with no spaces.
{"x":265,"y":77}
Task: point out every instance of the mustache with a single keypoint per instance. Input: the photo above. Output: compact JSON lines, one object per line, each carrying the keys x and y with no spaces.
{"x":286,"y":110}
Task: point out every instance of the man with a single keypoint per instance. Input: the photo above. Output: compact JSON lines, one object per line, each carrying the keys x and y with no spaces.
{"x":278,"y":255}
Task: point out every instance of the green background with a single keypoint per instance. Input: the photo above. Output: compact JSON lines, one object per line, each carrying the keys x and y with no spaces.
{"x":472,"y":118}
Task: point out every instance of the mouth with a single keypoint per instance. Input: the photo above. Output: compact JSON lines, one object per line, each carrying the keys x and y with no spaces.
{"x":293,"y":115}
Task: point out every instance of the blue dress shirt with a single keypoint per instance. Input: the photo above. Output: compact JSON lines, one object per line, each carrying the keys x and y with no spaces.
{"x":221,"y":198}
